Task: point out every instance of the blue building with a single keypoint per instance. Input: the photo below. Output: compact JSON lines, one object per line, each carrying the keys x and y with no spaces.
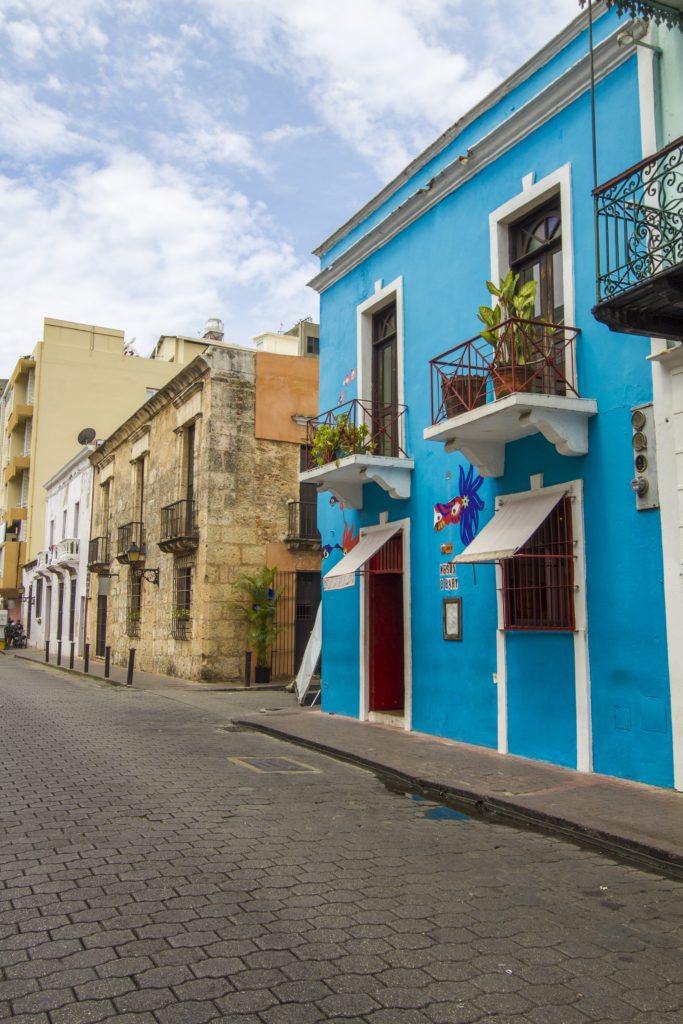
{"x":491,"y":576}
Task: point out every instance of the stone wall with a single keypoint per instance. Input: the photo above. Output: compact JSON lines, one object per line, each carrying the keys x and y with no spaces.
{"x":242,"y":486}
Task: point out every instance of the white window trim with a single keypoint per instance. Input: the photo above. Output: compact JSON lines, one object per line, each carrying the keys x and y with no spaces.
{"x":582,"y":686}
{"x":536,"y":194}
{"x":382,"y":296}
{"x":364,"y":714}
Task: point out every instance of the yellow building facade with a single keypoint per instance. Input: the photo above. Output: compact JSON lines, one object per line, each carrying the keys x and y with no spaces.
{"x":78,"y":376}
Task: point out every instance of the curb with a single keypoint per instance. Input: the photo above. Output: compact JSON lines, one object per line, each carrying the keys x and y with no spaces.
{"x":200,"y":687}
{"x":501,"y":810}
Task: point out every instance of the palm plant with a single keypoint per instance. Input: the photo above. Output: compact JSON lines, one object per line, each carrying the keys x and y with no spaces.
{"x":258,"y":606}
{"x":513,"y":304}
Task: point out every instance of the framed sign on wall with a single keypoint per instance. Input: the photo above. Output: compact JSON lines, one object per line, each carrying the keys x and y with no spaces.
{"x":452,"y":618}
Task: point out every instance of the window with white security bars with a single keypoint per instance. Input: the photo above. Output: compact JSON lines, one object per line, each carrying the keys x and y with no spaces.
{"x":28,"y":435}
{"x":30,"y":384}
{"x":23,"y":531}
{"x":23,"y":498}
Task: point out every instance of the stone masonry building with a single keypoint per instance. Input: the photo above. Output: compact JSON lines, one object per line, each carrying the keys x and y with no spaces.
{"x":202,"y":480}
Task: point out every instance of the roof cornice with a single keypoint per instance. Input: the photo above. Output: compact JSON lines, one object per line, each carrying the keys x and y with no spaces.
{"x":141,"y":418}
{"x":534,"y":64}
{"x":560,"y":94}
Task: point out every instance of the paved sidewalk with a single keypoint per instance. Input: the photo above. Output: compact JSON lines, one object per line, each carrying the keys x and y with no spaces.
{"x":640,"y":823}
{"x":141,"y":680}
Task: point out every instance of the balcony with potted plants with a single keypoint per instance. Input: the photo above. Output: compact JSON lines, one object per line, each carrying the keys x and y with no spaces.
{"x":516,"y":377}
{"x":357,"y":443}
{"x":639,"y":229}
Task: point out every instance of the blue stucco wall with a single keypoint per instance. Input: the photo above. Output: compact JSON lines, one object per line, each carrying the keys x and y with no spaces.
{"x":541,"y":696}
{"x":444,"y":260}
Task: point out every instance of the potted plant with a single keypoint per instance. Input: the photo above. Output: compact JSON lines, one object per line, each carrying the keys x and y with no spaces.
{"x":461,"y":392}
{"x":510,"y":342}
{"x":334,"y":441}
{"x":258,"y":606}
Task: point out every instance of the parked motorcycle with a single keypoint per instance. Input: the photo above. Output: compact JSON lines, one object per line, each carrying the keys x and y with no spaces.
{"x":14,"y":635}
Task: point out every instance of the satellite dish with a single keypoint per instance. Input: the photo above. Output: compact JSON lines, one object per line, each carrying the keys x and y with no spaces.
{"x":87,"y":435}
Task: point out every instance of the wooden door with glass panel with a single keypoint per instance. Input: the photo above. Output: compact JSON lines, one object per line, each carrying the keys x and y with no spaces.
{"x":536,"y":255}
{"x":384,"y":429}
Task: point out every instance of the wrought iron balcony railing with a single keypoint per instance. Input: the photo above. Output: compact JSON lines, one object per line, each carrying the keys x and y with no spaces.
{"x":303,"y":522}
{"x":179,"y":528}
{"x":639,"y":226}
{"x":98,"y":554}
{"x":529,"y":356}
{"x":358,"y":427}
{"x":129,"y":534}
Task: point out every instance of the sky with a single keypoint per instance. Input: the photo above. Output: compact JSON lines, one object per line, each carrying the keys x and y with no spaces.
{"x":167,"y":161}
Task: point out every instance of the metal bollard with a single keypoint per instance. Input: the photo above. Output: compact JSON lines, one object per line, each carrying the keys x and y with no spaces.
{"x":47,"y":651}
{"x":86,"y":657}
{"x":247,"y":668}
{"x":131,"y":666}
{"x":107,"y":659}
{"x":59,"y":652}
{"x":71,"y":654}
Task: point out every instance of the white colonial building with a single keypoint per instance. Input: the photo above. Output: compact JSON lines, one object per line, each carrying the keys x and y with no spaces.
{"x":55,"y":582}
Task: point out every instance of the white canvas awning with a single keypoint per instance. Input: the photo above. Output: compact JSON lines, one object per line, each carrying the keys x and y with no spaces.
{"x":344,"y":572}
{"x":510,"y":527}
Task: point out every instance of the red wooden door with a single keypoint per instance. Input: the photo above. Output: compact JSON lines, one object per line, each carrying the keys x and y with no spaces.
{"x":385,"y":614}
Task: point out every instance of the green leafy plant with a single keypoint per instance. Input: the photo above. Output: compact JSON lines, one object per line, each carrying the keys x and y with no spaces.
{"x":338,"y":439}
{"x":257,"y":606}
{"x":514,"y":303}
{"x":180,"y":613}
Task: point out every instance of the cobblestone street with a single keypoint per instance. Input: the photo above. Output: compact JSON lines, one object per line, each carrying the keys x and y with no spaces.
{"x":148,"y":876}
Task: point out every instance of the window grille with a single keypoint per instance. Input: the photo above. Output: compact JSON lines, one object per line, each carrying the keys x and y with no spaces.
{"x":28,"y":435}
{"x":30,"y":383}
{"x":538,"y":582}
{"x":134,"y":608}
{"x":23,"y":497}
{"x":181,"y":615}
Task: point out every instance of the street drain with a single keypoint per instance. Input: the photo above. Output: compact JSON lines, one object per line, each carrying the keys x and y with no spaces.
{"x":273,"y":764}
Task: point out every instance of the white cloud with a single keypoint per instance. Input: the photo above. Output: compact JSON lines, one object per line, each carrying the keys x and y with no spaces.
{"x":142,"y":247}
{"x":39,"y":25}
{"x":389,"y":75}
{"x":291,"y":133}
{"x":376,"y":69}
{"x":29,"y":128}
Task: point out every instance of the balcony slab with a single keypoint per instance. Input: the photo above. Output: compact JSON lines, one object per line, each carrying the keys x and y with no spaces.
{"x":482,"y":433}
{"x":346,"y":477}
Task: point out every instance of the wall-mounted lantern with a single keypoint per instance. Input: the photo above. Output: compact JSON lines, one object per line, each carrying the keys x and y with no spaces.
{"x":134,"y":556}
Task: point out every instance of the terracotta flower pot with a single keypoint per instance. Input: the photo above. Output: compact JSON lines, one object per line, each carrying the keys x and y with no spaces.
{"x":463,"y":392}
